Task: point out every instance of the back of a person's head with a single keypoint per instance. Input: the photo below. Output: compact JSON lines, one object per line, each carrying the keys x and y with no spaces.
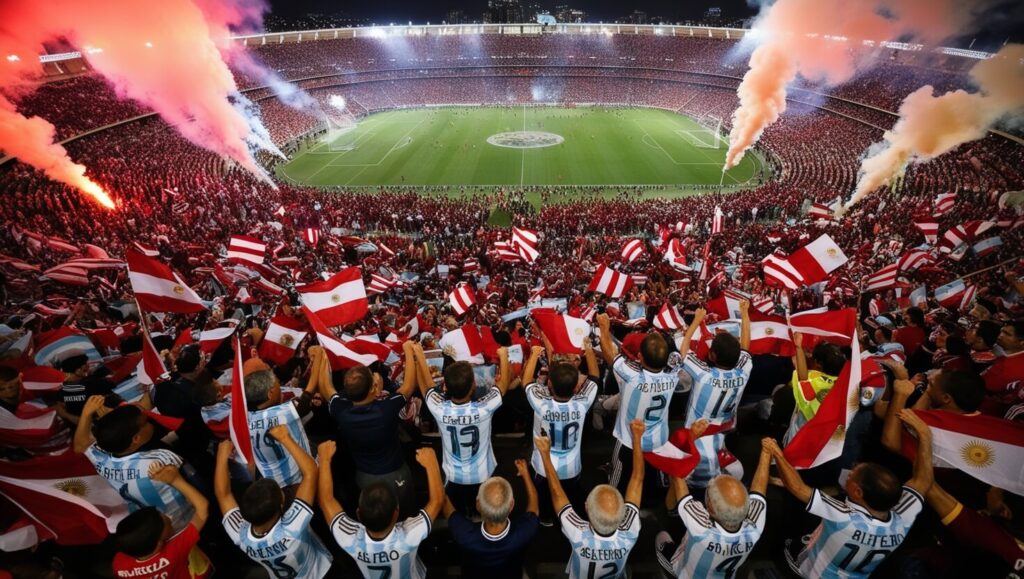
{"x":262,"y":502}
{"x":188,"y":359}
{"x":377,"y":506}
{"x":130,"y":345}
{"x":965,"y":387}
{"x":357,"y":383}
{"x":8,"y":373}
{"x":605,"y":509}
{"x":139,"y":533}
{"x":654,"y":351}
{"x":115,"y":430}
{"x":880,"y":486}
{"x":829,"y":357}
{"x":458,"y":380}
{"x":916,"y":316}
{"x":258,"y":386}
{"x":988,"y":331}
{"x":956,"y":346}
{"x":727,"y":499}
{"x":495,"y":500}
{"x":503,"y":338}
{"x":1018,"y":328}
{"x":886,"y":332}
{"x":726,"y":349}
{"x":564,"y":377}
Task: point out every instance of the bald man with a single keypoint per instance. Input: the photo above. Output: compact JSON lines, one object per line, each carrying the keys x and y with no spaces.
{"x":721,"y":533}
{"x":601,"y":544}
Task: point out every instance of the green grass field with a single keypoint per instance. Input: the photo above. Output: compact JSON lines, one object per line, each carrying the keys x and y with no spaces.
{"x":449,"y":146}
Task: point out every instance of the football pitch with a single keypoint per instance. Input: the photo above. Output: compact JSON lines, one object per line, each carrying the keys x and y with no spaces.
{"x":512,"y":146}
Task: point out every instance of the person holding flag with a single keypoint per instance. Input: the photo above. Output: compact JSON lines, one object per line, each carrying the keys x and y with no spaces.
{"x":855,"y":535}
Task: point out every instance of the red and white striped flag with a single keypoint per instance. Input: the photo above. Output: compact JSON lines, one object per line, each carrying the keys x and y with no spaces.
{"x":41,"y":379}
{"x":677,"y":457}
{"x":506,"y":252}
{"x":817,"y":259}
{"x":944,"y":204}
{"x":987,"y":448}
{"x":770,"y":335}
{"x":339,"y":300}
{"x":68,"y":274}
{"x":987,"y":246}
{"x":882,"y":279}
{"x":462,"y":298}
{"x":913,"y":260}
{"x":951,"y":294}
{"x":717,"y":221}
{"x":953,"y":239}
{"x":632,"y":250}
{"x":247,"y":249}
{"x":763,"y":304}
{"x":968,"y":298}
{"x":158,"y":289}
{"x":463,"y":345}
{"x":311,"y":235}
{"x":675,"y":255}
{"x":727,"y":305}
{"x":63,"y":246}
{"x":151,"y":369}
{"x":340,"y":354}
{"x":380,"y":284}
{"x":929,"y":227}
{"x":147,"y":250}
{"x":669,"y":318}
{"x":283,"y":336}
{"x":210,"y":340}
{"x":566,"y":333}
{"x":819,"y":211}
{"x":470,"y":265}
{"x":822,"y":438}
{"x":238,"y":426}
{"x":779,"y":273}
{"x":525,"y":242}
{"x":610,"y":282}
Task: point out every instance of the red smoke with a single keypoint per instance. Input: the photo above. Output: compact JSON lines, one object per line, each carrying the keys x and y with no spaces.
{"x":819,"y":39}
{"x":931,"y":125}
{"x":165,"y":54}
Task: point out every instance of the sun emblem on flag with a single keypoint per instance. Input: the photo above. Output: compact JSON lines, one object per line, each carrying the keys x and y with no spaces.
{"x":840,"y":433}
{"x":73,"y":486}
{"x":335,"y":298}
{"x":769,"y":331}
{"x":449,"y":351}
{"x":287,"y":340}
{"x":178,"y":289}
{"x":832,"y":252}
{"x":978,"y":454}
{"x":579,"y":331}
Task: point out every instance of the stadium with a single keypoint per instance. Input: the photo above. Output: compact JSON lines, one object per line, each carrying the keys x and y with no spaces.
{"x":521,"y":299}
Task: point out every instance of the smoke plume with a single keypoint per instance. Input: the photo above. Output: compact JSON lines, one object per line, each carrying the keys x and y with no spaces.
{"x":817,"y":39}
{"x":931,"y":125}
{"x":165,"y":54}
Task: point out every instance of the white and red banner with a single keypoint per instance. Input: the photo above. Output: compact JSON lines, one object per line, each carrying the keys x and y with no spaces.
{"x":817,"y":259}
{"x":566,"y":333}
{"x":506,"y":252}
{"x":669,"y":318}
{"x":462,"y":298}
{"x":770,"y":335}
{"x":717,"y":221}
{"x":610,"y":282}
{"x":151,"y":369}
{"x":632,"y":250}
{"x":311,"y":235}
{"x":339,"y":300}
{"x":246,"y":249}
{"x":525,"y":242}
{"x":929,"y":228}
{"x":380,"y":284}
{"x":210,"y":340}
{"x":882,"y":279}
{"x":944,"y":204}
{"x":819,"y":211}
{"x":914,"y":260}
{"x":42,"y":379}
{"x":238,"y":425}
{"x":463,"y":345}
{"x":779,"y":273}
{"x":158,"y":289}
{"x":340,"y":354}
{"x":283,"y":336}
{"x":950,"y":295}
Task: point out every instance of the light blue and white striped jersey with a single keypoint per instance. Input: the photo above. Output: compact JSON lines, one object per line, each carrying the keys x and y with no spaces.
{"x":716,"y":392}
{"x":392,"y":557}
{"x":850,"y":542}
{"x":216,"y":412}
{"x":594,"y":555}
{"x":289,"y":550}
{"x":709,"y":550}
{"x":563,"y":421}
{"x":272,"y":459}
{"x":465,"y":435}
{"x":644,"y":395}
{"x":129,"y":475}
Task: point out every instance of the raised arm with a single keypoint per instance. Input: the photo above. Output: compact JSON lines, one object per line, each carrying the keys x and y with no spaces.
{"x":745,"y":324}
{"x":307,"y":466}
{"x":532,"y":502}
{"x":428,"y":458}
{"x":83,"y":432}
{"x":698,"y":319}
{"x":426,"y":382}
{"x":800,"y":357}
{"x":410,"y":379}
{"x":588,"y":354}
{"x":222,"y":477}
{"x":169,"y":474}
{"x":892,"y":428}
{"x":558,"y":497}
{"x":759,"y":484}
{"x":328,"y":504}
{"x":504,"y":371}
{"x":635,"y":488}
{"x":530,"y":369}
{"x":923,"y":476}
{"x":608,"y":348}
{"x":320,"y":373}
{"x":790,"y":478}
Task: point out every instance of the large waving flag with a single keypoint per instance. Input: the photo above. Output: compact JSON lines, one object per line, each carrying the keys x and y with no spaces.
{"x":340,"y":354}
{"x":525,"y":242}
{"x":55,"y":345}
{"x":64,"y":498}
{"x":339,"y":300}
{"x":677,"y":457}
{"x":151,"y":369}
{"x":566,"y":333}
{"x":463,"y":345}
{"x":823,"y":437}
{"x":610,"y":282}
{"x":632,"y":250}
{"x":238,"y":426}
{"x":669,"y":318}
{"x":32,"y":428}
{"x":158,"y":289}
{"x":989,"y":449}
{"x":42,"y":379}
{"x":817,"y":259}
{"x":282,"y":338}
{"x":882,"y":279}
{"x":247,"y":249}
{"x":462,"y":298}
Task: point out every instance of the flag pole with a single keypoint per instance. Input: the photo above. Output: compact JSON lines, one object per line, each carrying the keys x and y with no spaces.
{"x":990,"y":268}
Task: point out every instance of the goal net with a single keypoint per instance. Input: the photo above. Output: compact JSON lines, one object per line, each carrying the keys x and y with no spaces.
{"x":708,"y":134}
{"x":340,"y":132}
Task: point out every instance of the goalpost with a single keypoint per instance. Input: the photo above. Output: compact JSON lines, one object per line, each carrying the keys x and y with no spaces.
{"x":708,"y":136}
{"x":339,"y":127}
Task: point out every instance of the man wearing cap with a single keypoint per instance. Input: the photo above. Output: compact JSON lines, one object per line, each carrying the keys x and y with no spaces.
{"x":79,"y":385}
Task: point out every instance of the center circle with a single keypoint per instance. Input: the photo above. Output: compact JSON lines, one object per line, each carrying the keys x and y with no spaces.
{"x":525,"y":140}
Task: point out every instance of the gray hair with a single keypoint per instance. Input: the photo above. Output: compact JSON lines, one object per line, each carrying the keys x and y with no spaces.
{"x":729,"y":511}
{"x":258,"y":386}
{"x":495,"y":500}
{"x":605,"y":509}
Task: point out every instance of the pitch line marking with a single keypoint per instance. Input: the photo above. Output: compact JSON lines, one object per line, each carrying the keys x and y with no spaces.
{"x":400,"y":141}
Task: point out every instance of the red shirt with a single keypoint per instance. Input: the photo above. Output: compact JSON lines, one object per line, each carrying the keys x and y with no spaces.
{"x":910,"y":337}
{"x":172,"y":562}
{"x":1003,"y":372}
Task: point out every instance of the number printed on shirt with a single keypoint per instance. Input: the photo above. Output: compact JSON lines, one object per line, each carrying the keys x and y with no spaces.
{"x":465,"y":437}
